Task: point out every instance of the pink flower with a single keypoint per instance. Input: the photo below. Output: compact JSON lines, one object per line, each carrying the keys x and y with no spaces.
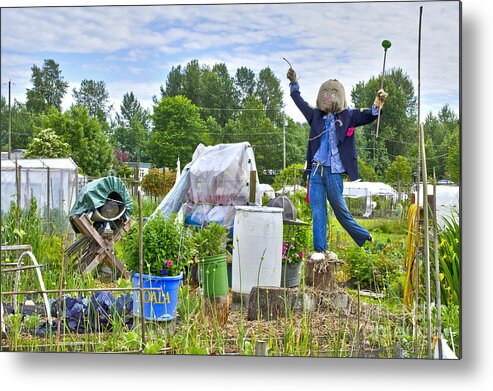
{"x":169,"y":262}
{"x":292,"y":247}
{"x":300,"y":255}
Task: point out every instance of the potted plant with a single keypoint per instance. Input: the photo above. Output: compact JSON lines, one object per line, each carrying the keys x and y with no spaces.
{"x":166,"y":252}
{"x":295,"y":244}
{"x":210,"y":245}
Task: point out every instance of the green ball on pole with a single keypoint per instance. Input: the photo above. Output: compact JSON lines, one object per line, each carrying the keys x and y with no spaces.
{"x":386,"y":44}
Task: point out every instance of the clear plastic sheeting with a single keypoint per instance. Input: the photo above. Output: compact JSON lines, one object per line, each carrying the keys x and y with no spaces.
{"x":212,"y":184}
{"x":220,"y":174}
{"x":447,"y":199}
{"x":52,"y":182}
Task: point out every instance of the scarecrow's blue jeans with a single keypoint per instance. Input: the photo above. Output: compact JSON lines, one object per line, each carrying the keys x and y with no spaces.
{"x":323,"y":186}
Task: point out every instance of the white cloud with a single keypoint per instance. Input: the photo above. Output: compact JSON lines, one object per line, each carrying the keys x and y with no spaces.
{"x":322,"y":40}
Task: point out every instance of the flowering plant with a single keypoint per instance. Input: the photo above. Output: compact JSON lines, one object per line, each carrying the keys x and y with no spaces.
{"x":295,"y":244}
{"x":167,"y":247}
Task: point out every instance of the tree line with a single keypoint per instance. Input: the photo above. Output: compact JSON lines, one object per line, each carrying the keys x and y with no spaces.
{"x":202,"y":104}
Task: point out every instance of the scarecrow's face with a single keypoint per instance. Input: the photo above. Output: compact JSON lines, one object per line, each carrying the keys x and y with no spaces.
{"x":331,"y":97}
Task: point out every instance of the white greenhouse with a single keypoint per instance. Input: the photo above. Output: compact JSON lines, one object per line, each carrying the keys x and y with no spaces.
{"x":52,"y":182}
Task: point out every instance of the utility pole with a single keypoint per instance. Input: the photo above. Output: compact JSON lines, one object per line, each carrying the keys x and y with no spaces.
{"x":10,"y":119}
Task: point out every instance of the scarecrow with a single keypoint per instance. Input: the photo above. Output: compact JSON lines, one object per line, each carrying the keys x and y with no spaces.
{"x":331,"y":153}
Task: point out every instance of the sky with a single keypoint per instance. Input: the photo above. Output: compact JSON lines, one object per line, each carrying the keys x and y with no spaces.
{"x":133,"y":48}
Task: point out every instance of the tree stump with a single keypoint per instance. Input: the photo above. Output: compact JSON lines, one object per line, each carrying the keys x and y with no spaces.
{"x":271,"y":302}
{"x":216,"y":309}
{"x":268,"y":302}
{"x":321,"y":274}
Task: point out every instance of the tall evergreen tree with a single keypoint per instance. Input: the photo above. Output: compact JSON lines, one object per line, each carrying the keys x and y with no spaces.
{"x":130,"y":132}
{"x":49,"y":88}
{"x":245,"y":83}
{"x":269,"y":91}
{"x":94,"y":96}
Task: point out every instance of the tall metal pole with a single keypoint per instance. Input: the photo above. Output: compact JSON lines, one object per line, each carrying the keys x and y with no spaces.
{"x":385,"y":44}
{"x":10,"y":119}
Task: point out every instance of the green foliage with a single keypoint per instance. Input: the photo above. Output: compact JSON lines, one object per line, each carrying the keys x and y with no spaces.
{"x":449,"y":259}
{"x":366,"y":172}
{"x":268,"y":90}
{"x":210,"y":240}
{"x":289,"y":176}
{"x":94,"y":97}
{"x":124,"y":171}
{"x":296,"y":141}
{"x":187,"y":304}
{"x":453,"y":158}
{"x":90,"y":148}
{"x":303,"y":210}
{"x":450,"y":319}
{"x":375,"y":268}
{"x":48,"y":87}
{"x":47,"y":144}
{"x":167,"y":247}
{"x":149,"y":205}
{"x":399,"y":172}
{"x":131,"y":341}
{"x":253,"y":126}
{"x":130,"y":132}
{"x":22,"y":124}
{"x":34,"y":230}
{"x":177,"y":131}
{"x":296,"y":243}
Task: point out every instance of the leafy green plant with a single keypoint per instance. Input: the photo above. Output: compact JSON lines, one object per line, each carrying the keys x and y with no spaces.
{"x":375,"y":267}
{"x":296,"y":243}
{"x":131,"y":341}
{"x":153,"y":347}
{"x":449,"y":259}
{"x":166,"y":247}
{"x":210,"y":240}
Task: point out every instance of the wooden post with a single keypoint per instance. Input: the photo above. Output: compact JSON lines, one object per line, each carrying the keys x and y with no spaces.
{"x":253,"y":186}
{"x":217,"y":309}
{"x":260,"y":347}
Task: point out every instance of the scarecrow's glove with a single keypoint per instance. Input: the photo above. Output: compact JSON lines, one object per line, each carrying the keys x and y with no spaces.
{"x":380,"y":99}
{"x":292,"y":76}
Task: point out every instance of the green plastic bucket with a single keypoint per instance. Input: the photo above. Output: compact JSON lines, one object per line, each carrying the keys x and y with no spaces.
{"x":214,"y":275}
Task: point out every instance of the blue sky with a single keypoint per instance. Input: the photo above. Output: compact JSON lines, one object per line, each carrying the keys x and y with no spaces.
{"x":132,"y":48}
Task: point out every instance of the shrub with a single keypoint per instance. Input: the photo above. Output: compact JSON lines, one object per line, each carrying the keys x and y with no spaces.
{"x":210,"y":240}
{"x":166,"y":247}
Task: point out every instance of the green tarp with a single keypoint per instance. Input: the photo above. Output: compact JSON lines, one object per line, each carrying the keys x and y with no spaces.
{"x":95,"y":193}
